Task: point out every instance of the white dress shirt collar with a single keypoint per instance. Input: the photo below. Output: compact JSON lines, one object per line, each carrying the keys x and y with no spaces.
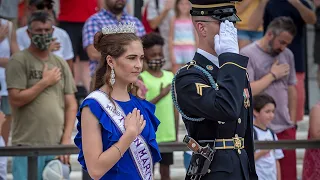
{"x":209,"y":56}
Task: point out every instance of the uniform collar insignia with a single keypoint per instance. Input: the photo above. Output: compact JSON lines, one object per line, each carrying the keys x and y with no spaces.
{"x":209,"y":67}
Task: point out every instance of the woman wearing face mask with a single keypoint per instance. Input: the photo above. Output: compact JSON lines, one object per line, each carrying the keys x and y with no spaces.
{"x":116,"y":134}
{"x":158,"y":83}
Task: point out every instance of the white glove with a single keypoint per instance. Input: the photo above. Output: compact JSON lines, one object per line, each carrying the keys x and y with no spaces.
{"x":226,"y":40}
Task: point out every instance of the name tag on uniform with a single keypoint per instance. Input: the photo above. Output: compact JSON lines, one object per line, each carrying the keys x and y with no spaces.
{"x":246,"y":98}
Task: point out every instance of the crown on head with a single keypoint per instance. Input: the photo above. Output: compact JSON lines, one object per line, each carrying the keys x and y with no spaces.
{"x":120,"y":28}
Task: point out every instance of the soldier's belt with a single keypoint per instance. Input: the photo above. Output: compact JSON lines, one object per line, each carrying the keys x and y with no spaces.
{"x":234,"y":143}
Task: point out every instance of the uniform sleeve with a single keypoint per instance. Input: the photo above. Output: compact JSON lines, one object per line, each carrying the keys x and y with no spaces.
{"x":67,"y":47}
{"x":292,"y":75}
{"x":196,"y":98}
{"x":69,"y":86}
{"x":250,"y":67}
{"x":16,"y":75}
{"x":90,"y":28}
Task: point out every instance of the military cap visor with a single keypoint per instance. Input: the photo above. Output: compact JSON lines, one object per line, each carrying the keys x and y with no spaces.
{"x":218,"y":9}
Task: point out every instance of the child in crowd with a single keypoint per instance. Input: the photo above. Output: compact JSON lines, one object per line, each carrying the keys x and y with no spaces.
{"x":158,"y":83}
{"x":267,"y":161}
{"x":182,"y":37}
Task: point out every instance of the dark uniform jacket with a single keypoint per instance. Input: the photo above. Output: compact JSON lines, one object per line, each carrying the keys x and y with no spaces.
{"x":224,"y":112}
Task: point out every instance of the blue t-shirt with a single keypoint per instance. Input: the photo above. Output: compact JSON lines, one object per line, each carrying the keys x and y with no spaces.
{"x":277,"y":8}
{"x":125,"y":167}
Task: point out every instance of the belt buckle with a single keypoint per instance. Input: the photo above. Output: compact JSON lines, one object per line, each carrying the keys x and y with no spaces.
{"x":237,"y":143}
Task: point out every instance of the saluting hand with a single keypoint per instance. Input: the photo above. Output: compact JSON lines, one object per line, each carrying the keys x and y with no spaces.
{"x":226,"y":40}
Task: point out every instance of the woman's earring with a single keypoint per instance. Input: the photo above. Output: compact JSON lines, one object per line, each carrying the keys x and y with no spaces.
{"x":112,"y":77}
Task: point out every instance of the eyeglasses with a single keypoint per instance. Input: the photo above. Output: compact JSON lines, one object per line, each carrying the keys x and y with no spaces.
{"x":41,"y":6}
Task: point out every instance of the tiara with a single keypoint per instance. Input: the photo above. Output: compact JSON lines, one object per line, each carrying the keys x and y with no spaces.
{"x":121,"y":28}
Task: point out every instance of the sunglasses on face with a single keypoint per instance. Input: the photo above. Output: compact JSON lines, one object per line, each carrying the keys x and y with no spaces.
{"x":41,"y":6}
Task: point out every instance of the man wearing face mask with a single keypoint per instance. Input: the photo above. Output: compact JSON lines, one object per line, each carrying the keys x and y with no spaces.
{"x":271,"y":70}
{"x":41,"y":92}
{"x":212,"y":93}
{"x":158,"y":83}
{"x":61,"y":44}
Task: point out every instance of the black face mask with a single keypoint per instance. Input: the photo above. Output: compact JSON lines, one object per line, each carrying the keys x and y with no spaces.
{"x":156,"y":64}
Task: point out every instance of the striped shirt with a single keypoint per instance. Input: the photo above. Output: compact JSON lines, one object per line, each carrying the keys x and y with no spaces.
{"x":101,"y":19}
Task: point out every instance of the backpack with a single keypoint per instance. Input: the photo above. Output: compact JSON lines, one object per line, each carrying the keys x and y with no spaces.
{"x":144,"y":20}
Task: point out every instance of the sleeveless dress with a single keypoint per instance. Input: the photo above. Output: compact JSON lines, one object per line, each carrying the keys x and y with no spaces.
{"x":183,"y":41}
{"x":311,"y":162}
{"x":125,"y":168}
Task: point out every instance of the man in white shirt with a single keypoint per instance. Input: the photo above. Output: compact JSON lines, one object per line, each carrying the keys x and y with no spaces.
{"x":61,"y":46}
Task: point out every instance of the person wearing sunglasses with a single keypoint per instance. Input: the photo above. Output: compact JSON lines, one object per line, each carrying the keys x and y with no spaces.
{"x":212,"y":93}
{"x":60,"y":44}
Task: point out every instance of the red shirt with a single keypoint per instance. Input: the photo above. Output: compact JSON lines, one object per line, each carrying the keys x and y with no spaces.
{"x":77,"y":10}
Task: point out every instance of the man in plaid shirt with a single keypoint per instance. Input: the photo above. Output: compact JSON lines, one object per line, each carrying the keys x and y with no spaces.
{"x":112,"y":14}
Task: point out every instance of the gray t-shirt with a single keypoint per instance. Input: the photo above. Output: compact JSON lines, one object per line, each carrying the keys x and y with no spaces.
{"x":259,"y":65}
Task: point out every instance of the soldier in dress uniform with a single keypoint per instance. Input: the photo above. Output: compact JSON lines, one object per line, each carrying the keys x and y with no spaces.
{"x":213,"y":95}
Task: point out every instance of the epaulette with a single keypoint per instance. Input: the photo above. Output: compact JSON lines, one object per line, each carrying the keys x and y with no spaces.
{"x":173,"y":89}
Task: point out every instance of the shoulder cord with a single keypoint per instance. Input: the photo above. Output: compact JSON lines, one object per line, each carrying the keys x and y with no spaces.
{"x":173,"y":89}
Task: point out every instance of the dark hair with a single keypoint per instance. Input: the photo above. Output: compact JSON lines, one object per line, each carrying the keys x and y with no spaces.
{"x":114,"y":46}
{"x":152,"y":39}
{"x":282,"y":23}
{"x":41,"y":16}
{"x":260,"y":100}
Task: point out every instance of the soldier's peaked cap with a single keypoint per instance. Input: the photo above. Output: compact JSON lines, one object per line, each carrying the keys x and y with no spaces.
{"x":218,"y":9}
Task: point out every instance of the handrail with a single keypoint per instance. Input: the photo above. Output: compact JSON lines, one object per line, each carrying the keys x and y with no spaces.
{"x":164,"y":147}
{"x":34,"y":151}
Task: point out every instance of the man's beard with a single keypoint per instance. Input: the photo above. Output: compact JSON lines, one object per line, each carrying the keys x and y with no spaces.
{"x":117,"y":8}
{"x":271,"y":51}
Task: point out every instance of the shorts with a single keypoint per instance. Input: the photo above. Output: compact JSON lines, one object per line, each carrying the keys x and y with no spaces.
{"x":167,"y":159}
{"x":249,"y":35}
{"x":183,"y":54}
{"x":5,"y":105}
{"x":75,"y":32}
{"x":20,"y":166}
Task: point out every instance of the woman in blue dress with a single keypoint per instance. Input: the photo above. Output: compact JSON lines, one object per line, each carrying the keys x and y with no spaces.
{"x":116,"y":129}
